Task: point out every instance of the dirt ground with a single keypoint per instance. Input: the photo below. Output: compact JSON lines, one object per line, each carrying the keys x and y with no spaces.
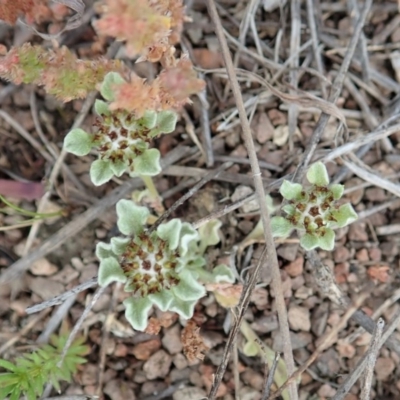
{"x":298,"y":48}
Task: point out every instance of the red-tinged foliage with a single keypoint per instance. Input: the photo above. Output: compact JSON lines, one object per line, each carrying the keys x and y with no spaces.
{"x":178,"y":83}
{"x":149,"y":27}
{"x":59,"y":71}
{"x":193,"y":344}
{"x":169,"y":91}
{"x":136,"y":96}
{"x":33,"y":10}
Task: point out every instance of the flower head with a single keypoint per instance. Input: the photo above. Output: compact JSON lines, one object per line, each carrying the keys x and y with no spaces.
{"x":313,"y":210}
{"x":164,"y":267}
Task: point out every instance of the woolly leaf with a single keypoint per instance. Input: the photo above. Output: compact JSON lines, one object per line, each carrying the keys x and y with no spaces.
{"x":170,"y":232}
{"x":162,"y":299}
{"x":222,"y":273}
{"x":100,"y":172}
{"x":166,"y":122}
{"x":101,"y":107}
{"x":131,"y":218}
{"x":327,"y":242}
{"x":111,"y":80}
{"x":136,"y":312}
{"x":118,"y":168}
{"x":281,"y":227}
{"x":318,"y":175}
{"x":149,"y":119}
{"x":103,"y":250}
{"x":337,"y":191}
{"x":290,"y":191}
{"x":110,"y":271}
{"x":309,"y":242}
{"x":119,"y":244}
{"x":188,"y":288}
{"x":345,"y":215}
{"x":189,"y":235}
{"x":184,"y":308}
{"x":78,"y":142}
{"x":209,"y":234}
{"x":148,"y":163}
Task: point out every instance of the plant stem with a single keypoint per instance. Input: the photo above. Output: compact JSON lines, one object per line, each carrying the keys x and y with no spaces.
{"x":154,"y":196}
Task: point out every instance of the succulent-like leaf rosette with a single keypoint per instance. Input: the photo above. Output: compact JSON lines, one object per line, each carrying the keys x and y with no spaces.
{"x":162,"y":268}
{"x":313,"y":210}
{"x":122,"y":140}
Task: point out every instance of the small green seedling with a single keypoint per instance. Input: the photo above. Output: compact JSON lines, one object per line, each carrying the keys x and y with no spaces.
{"x":313,"y":211}
{"x":165,"y":267}
{"x":122,"y":139}
{"x":29,"y":374}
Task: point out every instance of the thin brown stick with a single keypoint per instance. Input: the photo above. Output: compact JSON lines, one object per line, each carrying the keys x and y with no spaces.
{"x":270,"y":245}
{"x":371,"y":360}
{"x":270,"y":377}
{"x":294,"y":65}
{"x":359,"y":368}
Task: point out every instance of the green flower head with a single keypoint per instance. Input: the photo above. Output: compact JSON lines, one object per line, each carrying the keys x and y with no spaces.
{"x":160,"y":268}
{"x":121,"y":139}
{"x":313,"y":210}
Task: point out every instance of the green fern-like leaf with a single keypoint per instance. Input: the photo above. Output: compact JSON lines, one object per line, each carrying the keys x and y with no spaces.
{"x":28,"y":374}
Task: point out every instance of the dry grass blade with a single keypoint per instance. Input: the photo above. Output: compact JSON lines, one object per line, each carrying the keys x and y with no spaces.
{"x":258,"y":183}
{"x":361,"y":141}
{"x":294,"y":65}
{"x":362,"y":172}
{"x":371,"y":360}
{"x":334,"y":95}
{"x":270,"y":377}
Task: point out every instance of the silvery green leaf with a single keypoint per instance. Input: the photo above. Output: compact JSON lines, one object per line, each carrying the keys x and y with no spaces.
{"x":110,"y":80}
{"x":309,"y":242}
{"x":290,"y":191}
{"x":337,"y":190}
{"x":345,"y":215}
{"x":289,"y":209}
{"x":136,"y":312}
{"x":148,"y":163}
{"x":100,"y":172}
{"x":166,"y":123}
{"x":110,"y":271}
{"x":118,"y":167}
{"x":327,"y":242}
{"x":101,"y":107}
{"x":162,"y":299}
{"x":318,"y":175}
{"x":131,"y":217}
{"x":149,"y":119}
{"x":280,"y":227}
{"x":222,"y":273}
{"x":188,"y":288}
{"x":189,"y":237}
{"x":103,"y":250}
{"x":184,"y":308}
{"x":209,"y":234}
{"x":171,"y":232}
{"x":119,"y":244}
{"x":78,"y":142}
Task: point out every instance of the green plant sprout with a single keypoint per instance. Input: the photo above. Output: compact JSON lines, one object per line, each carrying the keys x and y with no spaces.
{"x":122,"y":139}
{"x":165,"y":267}
{"x":28,"y":375}
{"x":313,"y":210}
